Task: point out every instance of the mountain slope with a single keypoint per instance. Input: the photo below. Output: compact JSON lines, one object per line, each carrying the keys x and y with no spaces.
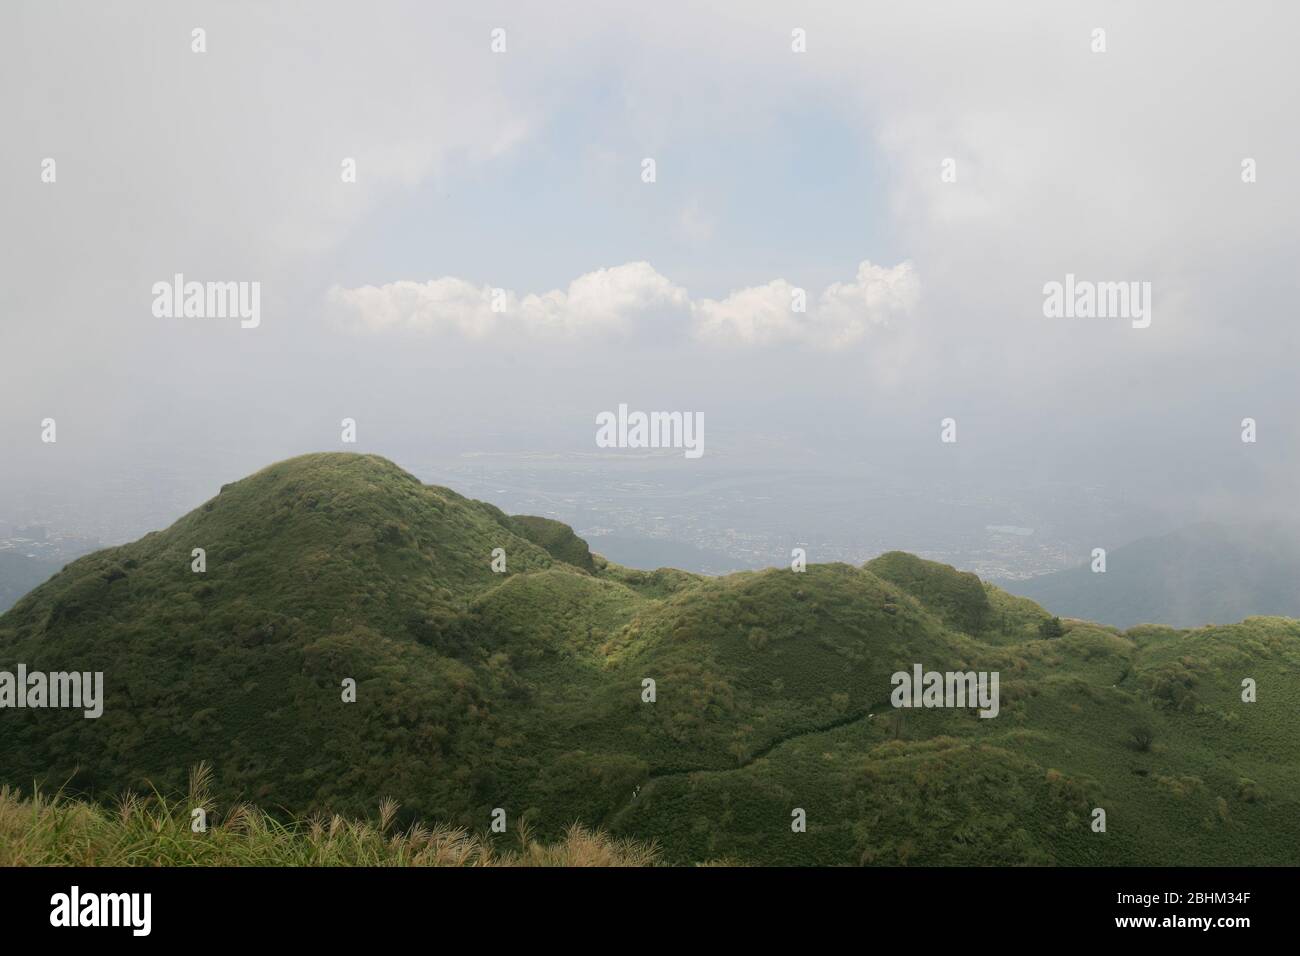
{"x":525,"y":690}
{"x":1205,"y":573}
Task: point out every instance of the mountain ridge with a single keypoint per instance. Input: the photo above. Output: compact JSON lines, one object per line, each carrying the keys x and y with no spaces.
{"x":525,"y":690}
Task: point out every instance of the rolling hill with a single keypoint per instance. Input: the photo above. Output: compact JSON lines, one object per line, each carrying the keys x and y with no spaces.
{"x":525,"y":690}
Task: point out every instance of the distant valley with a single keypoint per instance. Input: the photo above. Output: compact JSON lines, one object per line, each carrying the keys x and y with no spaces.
{"x":1205,"y":574}
{"x":20,"y":573}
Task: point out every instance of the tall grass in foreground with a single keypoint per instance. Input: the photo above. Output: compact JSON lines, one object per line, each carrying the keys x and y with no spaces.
{"x":156,"y":831}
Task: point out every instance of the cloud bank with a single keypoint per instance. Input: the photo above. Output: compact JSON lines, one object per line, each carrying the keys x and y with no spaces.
{"x":624,"y":298}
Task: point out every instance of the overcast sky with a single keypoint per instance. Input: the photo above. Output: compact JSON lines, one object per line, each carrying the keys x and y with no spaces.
{"x":522,"y":171}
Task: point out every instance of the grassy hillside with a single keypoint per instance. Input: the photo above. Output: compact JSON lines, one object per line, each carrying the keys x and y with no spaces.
{"x":524,"y":690}
{"x":153,"y":831}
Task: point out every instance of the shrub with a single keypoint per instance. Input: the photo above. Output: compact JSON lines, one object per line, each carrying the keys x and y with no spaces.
{"x":1141,"y":737}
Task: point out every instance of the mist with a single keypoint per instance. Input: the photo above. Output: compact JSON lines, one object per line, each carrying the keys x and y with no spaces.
{"x":523,"y":171}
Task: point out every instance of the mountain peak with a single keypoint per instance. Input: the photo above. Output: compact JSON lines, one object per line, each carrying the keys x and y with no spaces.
{"x":330,"y":630}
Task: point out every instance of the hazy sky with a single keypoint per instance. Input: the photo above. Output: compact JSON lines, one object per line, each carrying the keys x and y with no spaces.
{"x":522,"y":171}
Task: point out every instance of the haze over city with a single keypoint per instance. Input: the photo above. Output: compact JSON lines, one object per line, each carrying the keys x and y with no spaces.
{"x":920,"y":187}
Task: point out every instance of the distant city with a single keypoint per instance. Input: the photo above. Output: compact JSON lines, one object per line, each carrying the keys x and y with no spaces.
{"x":652,"y":512}
{"x":42,"y":544}
{"x":656,"y":510}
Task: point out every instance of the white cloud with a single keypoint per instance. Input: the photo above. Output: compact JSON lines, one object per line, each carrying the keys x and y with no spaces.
{"x":606,"y":298}
{"x":754,"y":316}
{"x":841,"y":316}
{"x":601,"y":301}
{"x":439,"y":303}
{"x":615,"y":299}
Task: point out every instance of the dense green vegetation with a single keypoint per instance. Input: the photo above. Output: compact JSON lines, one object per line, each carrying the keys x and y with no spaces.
{"x":523,"y":690}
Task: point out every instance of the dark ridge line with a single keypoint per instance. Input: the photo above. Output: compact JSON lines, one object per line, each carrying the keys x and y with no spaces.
{"x":611,"y":818}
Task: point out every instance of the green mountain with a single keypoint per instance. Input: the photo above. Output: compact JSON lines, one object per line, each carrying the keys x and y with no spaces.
{"x":524,"y":690}
{"x":1205,"y":573}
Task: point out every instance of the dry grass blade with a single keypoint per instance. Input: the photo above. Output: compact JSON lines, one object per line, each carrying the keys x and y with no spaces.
{"x":150,"y":830}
